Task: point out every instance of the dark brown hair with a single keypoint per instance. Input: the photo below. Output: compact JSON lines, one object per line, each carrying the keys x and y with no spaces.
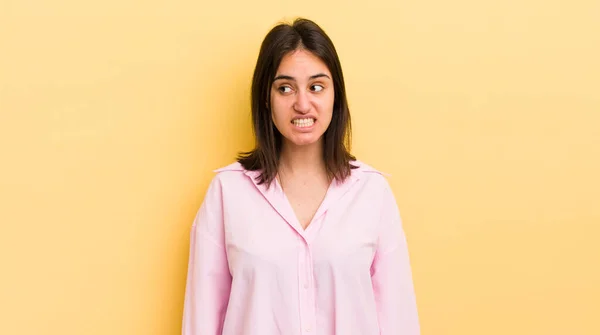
{"x":281,"y":40}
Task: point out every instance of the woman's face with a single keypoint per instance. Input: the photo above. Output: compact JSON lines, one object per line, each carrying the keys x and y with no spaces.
{"x":302,"y":98}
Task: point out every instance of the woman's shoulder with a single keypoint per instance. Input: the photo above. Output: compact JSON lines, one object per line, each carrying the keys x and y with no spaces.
{"x":235,"y":166}
{"x":371,"y":177}
{"x":362,"y":169}
{"x":231,"y":173}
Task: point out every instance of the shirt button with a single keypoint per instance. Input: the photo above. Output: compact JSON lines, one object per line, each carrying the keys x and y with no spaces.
{"x":307,"y":330}
{"x":305,"y":285}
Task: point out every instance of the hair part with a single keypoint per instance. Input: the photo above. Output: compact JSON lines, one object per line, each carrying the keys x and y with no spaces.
{"x":281,"y":40}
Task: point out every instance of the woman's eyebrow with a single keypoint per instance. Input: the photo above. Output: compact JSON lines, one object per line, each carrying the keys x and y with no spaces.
{"x":286,"y":77}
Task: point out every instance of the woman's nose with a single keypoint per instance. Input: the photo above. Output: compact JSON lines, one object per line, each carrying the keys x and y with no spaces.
{"x":302,"y":103}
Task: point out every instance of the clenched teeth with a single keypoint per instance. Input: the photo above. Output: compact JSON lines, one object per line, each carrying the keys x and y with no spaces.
{"x":304,"y":122}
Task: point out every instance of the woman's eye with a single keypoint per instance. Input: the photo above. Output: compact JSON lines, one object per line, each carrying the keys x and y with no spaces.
{"x":285,"y":89}
{"x":317,"y":88}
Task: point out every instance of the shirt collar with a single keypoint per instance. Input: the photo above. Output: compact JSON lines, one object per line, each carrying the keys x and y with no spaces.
{"x":276,"y":197}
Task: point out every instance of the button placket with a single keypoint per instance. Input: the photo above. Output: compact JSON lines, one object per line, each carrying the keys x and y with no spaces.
{"x":305,"y":288}
{"x":310,"y":293}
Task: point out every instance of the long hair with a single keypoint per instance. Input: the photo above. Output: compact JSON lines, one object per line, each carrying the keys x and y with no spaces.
{"x":281,"y":40}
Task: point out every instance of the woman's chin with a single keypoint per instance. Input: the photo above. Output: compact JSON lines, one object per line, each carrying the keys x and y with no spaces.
{"x":302,"y":141}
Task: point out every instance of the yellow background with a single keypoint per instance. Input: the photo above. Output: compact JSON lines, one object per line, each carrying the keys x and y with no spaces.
{"x":114,"y":113}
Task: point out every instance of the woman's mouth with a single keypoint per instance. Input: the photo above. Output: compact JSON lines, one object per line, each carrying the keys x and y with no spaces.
{"x":304,"y":123}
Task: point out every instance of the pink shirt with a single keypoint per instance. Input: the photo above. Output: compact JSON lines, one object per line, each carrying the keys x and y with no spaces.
{"x":253,"y":270}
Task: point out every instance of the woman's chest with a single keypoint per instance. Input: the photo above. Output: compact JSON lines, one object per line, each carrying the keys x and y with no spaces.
{"x":305,"y":201}
{"x":261,"y":235}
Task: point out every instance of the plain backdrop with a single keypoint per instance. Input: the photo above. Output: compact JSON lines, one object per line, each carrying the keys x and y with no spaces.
{"x":114,"y":113}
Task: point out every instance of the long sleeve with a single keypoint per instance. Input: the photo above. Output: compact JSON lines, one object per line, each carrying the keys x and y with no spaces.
{"x":208,"y":278}
{"x":392,"y":276}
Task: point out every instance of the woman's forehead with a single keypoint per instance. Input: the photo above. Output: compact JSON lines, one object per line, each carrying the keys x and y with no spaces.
{"x":301,"y":63}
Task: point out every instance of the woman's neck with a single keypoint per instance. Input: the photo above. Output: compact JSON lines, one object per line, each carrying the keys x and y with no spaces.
{"x":306,"y":160}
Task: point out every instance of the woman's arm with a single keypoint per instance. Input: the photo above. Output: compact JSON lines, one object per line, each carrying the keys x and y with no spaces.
{"x":208,"y":278}
{"x":392,"y":276}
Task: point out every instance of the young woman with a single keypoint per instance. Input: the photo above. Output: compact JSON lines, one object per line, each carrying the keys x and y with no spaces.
{"x":298,"y":237}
